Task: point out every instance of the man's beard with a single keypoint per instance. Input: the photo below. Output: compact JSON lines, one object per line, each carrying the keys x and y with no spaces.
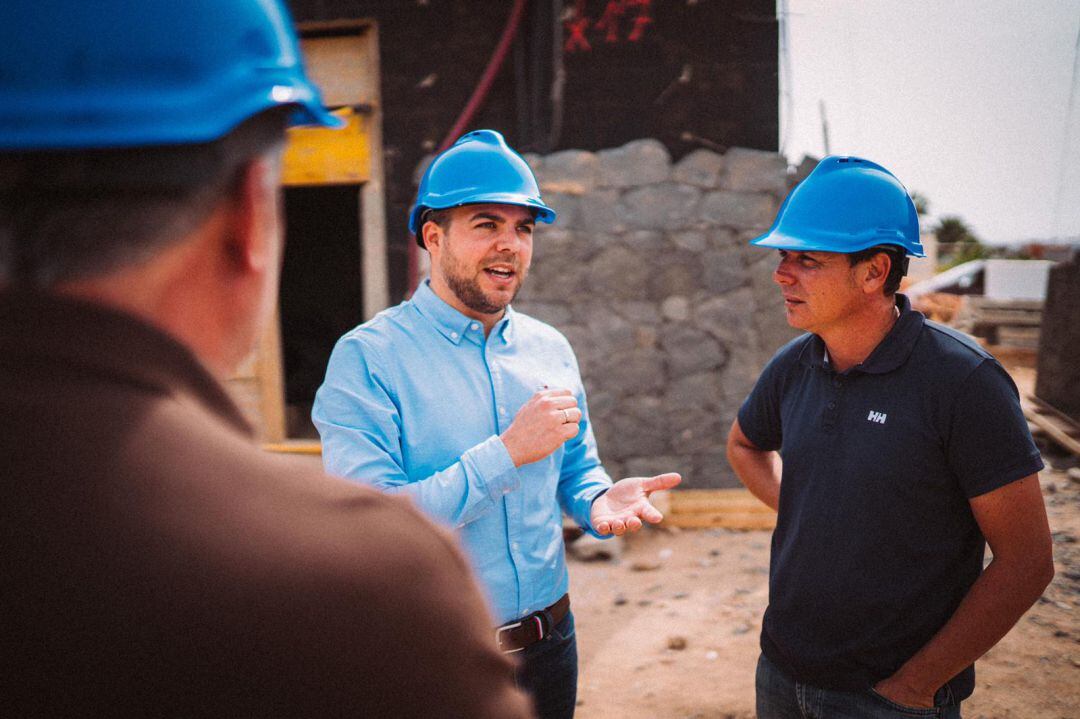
{"x":467,"y":289}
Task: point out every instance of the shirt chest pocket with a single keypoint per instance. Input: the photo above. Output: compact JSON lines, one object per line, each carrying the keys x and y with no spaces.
{"x":517,"y":380}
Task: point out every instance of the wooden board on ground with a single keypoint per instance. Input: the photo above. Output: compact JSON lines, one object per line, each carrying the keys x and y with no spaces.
{"x":1058,"y":426}
{"x":714,"y":508}
{"x":295,"y":446}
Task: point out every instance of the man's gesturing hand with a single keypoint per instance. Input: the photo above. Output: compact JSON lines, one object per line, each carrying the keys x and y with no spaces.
{"x":548,"y":419}
{"x":621,"y":508}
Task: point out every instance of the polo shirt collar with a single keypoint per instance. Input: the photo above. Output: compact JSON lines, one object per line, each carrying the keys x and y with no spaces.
{"x":890,"y":353}
{"x":452,"y":324}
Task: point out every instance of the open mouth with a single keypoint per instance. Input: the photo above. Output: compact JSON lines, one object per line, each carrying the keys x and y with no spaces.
{"x":501,"y":274}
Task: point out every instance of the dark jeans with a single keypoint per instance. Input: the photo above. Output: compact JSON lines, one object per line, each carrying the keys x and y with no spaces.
{"x":548,"y":671}
{"x":779,"y":697}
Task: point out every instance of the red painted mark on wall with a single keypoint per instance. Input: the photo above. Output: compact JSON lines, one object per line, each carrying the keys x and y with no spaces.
{"x":622,"y":20}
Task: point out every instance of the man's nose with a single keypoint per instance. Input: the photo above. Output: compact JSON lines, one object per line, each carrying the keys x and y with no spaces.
{"x":508,"y":239}
{"x":782,"y":275}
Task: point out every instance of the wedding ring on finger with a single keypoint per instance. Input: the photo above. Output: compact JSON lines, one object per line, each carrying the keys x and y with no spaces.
{"x":565,"y":417}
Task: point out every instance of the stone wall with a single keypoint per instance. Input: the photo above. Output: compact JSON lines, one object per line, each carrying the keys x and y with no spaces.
{"x":1058,"y":379}
{"x":671,"y":313}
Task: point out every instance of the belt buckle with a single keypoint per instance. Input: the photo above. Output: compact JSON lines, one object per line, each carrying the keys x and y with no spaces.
{"x":507,"y":627}
{"x":498,"y":637}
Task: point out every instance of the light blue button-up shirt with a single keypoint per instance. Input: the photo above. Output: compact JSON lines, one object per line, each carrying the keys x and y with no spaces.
{"x":414,"y":402}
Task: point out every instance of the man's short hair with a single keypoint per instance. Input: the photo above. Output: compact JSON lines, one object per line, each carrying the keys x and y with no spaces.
{"x":74,"y":214}
{"x":897,"y":264}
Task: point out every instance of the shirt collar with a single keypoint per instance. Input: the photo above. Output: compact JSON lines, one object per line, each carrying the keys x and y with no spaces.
{"x":452,"y":324}
{"x":890,"y":353}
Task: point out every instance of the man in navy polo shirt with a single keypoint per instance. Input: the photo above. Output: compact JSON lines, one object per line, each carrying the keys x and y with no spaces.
{"x":904,"y":451}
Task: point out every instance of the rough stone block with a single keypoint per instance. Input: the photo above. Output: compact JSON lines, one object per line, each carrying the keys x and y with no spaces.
{"x":701,"y":390}
{"x":689,"y":240}
{"x":689,"y":350}
{"x":601,"y":213}
{"x":711,"y":470}
{"x":701,"y":168}
{"x":740,"y":210}
{"x":637,"y":435}
{"x":567,"y":208}
{"x":630,"y":373}
{"x":708,"y":436}
{"x":652,"y":466}
{"x":748,"y":170}
{"x":639,"y":311}
{"x":554,"y":313}
{"x":617,"y":272}
{"x":568,"y":171}
{"x":676,"y":308}
{"x":548,"y":240}
{"x":646,"y":242}
{"x":557,"y":278}
{"x":723,"y":238}
{"x":728,"y":317}
{"x":611,"y":334}
{"x":723,"y":270}
{"x":641,"y":162}
{"x":646,"y":336}
{"x":667,"y":206}
{"x":676,"y":272}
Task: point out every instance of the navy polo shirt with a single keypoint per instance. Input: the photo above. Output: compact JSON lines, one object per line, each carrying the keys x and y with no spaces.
{"x":875,"y":543}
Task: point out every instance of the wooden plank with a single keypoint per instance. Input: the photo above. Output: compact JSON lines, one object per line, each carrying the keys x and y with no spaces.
{"x":722,"y":520}
{"x":717,"y":508}
{"x":269,"y":372}
{"x":1058,"y":426}
{"x":712,"y":500}
{"x":295,"y":446}
{"x":324,"y":156}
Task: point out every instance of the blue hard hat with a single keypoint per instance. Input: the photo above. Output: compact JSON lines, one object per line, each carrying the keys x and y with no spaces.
{"x":847,"y":204}
{"x":479,"y":168}
{"x":82,"y":74}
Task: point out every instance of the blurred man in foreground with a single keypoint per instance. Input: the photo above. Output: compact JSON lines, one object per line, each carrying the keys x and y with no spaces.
{"x":154,"y":561}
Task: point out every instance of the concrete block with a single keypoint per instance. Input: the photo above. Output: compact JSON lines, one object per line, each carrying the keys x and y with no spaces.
{"x":739,"y":210}
{"x":641,"y":162}
{"x":569,"y":172}
{"x":667,"y":206}
{"x":748,"y":170}
{"x":701,"y":168}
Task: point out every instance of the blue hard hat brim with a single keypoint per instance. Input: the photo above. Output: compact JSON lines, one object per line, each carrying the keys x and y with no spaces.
{"x":543,"y":213}
{"x":781,"y":241}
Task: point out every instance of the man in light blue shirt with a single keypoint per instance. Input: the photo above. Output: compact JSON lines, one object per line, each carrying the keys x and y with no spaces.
{"x":478,"y":412}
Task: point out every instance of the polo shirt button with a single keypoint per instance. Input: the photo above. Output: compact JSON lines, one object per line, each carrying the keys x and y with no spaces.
{"x":454,"y":335}
{"x":832,"y":405}
{"x":475,"y":326}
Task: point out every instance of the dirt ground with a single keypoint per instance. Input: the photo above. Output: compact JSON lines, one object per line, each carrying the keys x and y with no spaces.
{"x":670,"y":629}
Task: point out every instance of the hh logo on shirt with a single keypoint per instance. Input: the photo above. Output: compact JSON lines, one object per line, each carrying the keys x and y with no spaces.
{"x":878,"y":417}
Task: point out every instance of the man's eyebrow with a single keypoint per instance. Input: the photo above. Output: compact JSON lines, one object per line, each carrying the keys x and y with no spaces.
{"x":498,"y":218}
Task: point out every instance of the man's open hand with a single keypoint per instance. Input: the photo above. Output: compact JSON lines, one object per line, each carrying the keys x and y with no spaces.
{"x":622,"y":508}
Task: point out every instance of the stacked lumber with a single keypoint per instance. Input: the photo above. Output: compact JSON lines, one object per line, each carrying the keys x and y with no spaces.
{"x":1009,"y":323}
{"x":1058,"y":426}
{"x":714,"y":508}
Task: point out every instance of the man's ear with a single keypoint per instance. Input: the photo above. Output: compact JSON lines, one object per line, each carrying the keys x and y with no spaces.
{"x":252,"y":243}
{"x":876,"y":271}
{"x":432,"y":235}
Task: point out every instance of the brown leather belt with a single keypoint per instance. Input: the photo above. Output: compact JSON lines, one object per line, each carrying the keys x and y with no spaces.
{"x":515,"y":636}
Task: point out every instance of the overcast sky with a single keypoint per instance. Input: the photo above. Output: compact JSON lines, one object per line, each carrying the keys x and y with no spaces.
{"x":965,"y":100}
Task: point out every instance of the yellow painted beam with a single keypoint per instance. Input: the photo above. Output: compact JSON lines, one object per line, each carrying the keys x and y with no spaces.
{"x":321,"y":156}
